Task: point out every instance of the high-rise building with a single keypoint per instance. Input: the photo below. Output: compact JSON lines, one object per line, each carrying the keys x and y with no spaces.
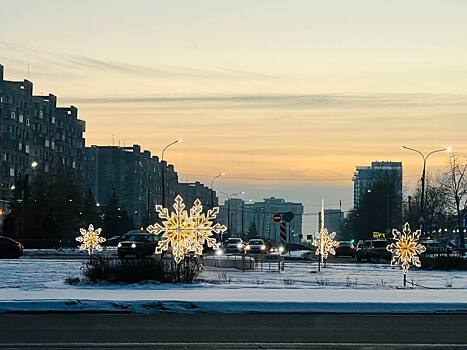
{"x":382,"y":179}
{"x":365,"y":177}
{"x":35,"y":131}
{"x":134,"y":176}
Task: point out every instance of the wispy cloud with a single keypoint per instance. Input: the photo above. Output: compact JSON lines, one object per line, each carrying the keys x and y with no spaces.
{"x":73,"y":62}
{"x":285,"y":100}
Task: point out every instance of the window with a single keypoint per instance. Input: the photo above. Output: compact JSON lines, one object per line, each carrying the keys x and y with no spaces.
{"x":27,"y":149}
{"x":53,"y":145}
{"x":12,"y":171}
{"x":20,"y":146}
{"x":28,"y":122}
{"x":47,"y":143}
{"x":13,"y":116}
{"x":41,"y":113}
{"x":20,"y":117}
{"x":53,"y":120}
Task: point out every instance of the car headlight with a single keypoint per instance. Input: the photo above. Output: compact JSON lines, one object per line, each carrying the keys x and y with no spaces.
{"x":247,"y":247}
{"x":119,"y":245}
{"x":133,"y":245}
{"x":263,"y":247}
{"x":281,"y":249}
{"x":239,"y":245}
{"x":219,"y":252}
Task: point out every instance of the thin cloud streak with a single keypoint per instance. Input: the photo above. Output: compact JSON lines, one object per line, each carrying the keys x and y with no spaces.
{"x":310,"y":100}
{"x":71,"y":61}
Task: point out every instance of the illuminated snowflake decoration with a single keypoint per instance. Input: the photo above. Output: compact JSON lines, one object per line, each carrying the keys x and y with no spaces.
{"x":325,"y":244}
{"x":90,"y":239}
{"x":406,"y":248}
{"x":186,"y":232}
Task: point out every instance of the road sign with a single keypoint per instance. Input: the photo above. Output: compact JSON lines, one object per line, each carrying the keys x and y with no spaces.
{"x":288,"y":217}
{"x":277,"y":217}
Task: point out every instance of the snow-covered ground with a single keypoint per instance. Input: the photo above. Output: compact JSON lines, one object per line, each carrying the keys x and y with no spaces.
{"x":37,"y":284}
{"x":67,"y":252}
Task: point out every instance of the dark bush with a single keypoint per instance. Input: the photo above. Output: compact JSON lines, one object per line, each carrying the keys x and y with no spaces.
{"x":136,"y":270}
{"x":443,"y":263}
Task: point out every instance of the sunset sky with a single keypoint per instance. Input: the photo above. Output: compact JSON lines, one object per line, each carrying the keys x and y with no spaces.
{"x":261,"y":90}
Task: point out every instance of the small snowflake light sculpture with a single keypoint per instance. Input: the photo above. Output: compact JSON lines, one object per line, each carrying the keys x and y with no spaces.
{"x":325,"y":244}
{"x":186,"y":232}
{"x":406,"y":248}
{"x":90,"y":239}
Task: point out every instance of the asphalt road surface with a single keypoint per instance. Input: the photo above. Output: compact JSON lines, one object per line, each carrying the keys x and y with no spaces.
{"x":232,"y":331}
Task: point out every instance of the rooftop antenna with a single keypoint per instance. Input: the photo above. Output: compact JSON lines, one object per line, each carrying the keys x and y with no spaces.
{"x":28,"y":68}
{"x":113,"y":140}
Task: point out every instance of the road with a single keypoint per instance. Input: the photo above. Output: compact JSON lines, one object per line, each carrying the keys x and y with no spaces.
{"x":232,"y":331}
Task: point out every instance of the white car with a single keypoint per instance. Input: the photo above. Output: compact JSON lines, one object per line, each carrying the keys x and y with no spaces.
{"x":234,"y":245}
{"x":256,"y":246}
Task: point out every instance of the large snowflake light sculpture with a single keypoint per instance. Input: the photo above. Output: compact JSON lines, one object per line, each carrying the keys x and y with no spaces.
{"x":186,"y":232}
{"x":90,"y":239}
{"x":325,"y":244}
{"x":406,"y":248}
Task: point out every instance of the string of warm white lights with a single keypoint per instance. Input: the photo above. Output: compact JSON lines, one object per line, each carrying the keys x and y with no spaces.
{"x":90,"y":239}
{"x":185,"y":232}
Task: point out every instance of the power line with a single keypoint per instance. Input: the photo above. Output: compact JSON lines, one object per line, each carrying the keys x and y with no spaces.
{"x":281,"y":178}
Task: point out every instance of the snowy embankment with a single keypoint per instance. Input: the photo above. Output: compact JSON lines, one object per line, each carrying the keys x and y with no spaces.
{"x":39,"y":285}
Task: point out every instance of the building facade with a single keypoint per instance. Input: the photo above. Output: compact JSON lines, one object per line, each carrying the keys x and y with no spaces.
{"x":35,"y":131}
{"x":333,"y":219}
{"x":365,"y":177}
{"x":134,"y":176}
{"x":385,"y":177}
{"x":191,"y":191}
{"x":248,"y":216}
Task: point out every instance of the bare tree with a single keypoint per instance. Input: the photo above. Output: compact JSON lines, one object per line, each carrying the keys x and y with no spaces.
{"x":455,"y":185}
{"x":436,"y":204}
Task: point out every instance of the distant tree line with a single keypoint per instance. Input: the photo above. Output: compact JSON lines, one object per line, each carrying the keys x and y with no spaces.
{"x":46,"y":207}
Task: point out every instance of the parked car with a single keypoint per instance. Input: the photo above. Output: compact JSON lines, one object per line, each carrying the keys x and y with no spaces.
{"x":373,"y":250}
{"x":256,"y":246}
{"x":234,"y":245}
{"x":137,"y":243}
{"x":345,"y":248}
{"x":10,"y":249}
{"x":435,"y":248}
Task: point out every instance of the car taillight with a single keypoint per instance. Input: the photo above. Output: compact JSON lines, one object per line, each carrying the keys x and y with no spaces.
{"x":337,"y":246}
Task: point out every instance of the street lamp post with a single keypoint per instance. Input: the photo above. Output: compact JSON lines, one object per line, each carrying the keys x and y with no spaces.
{"x":163,"y":170}
{"x":423,"y":179}
{"x":212,"y":187}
